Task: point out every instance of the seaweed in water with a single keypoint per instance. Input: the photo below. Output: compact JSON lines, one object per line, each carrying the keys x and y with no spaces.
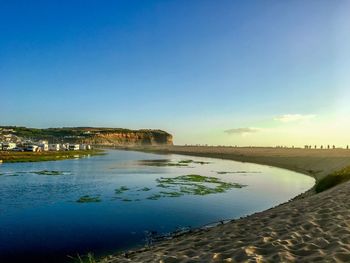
{"x":162,"y":163}
{"x":88,"y":199}
{"x":154,"y":197}
{"x":194,"y":184}
{"x":145,"y":189}
{"x":191,"y":184}
{"x":47,"y":172}
{"x":238,"y":172}
{"x":121,"y":190}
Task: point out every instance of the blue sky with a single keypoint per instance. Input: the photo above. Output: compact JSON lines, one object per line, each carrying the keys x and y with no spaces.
{"x":193,"y":68}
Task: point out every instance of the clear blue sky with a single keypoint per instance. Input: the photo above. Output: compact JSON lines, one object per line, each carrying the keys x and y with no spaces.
{"x":193,"y":68}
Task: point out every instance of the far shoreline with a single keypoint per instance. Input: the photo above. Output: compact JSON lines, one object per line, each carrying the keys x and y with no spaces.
{"x":316,"y":163}
{"x":21,"y":157}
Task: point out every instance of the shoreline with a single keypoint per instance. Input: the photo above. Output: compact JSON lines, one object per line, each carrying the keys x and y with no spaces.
{"x":291,"y":230}
{"x":19,"y":157}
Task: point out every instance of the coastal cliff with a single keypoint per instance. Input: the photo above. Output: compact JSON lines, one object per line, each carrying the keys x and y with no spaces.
{"x":129,"y":137}
{"x":90,"y":135}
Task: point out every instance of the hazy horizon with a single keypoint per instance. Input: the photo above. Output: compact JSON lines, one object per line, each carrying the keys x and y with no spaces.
{"x":209,"y":72}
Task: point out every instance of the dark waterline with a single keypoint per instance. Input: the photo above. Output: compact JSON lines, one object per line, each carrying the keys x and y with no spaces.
{"x":40,"y":220}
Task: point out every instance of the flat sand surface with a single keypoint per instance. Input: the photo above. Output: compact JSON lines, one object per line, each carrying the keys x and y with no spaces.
{"x":314,"y":228}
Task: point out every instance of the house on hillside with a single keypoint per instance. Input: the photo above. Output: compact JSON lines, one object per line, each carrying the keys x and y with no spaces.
{"x":8,"y":146}
{"x":44,"y":147}
{"x":54,"y":147}
{"x":73,"y":147}
{"x":32,"y":148}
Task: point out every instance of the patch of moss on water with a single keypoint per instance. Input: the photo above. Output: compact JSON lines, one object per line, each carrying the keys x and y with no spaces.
{"x":171,"y":194}
{"x":47,"y":172}
{"x":187,"y":179}
{"x":144,"y":189}
{"x":237,"y":172}
{"x":154,"y":197}
{"x":201,"y":162}
{"x":185,"y":161}
{"x":88,"y":199}
{"x":161,"y":185}
{"x":194,"y":184}
{"x":190,"y":184}
{"x":162,"y":163}
{"x":192,"y":161}
{"x":121,"y":189}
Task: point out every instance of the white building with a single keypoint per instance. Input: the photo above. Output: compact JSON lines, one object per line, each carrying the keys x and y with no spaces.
{"x":44,"y":147}
{"x":74,"y":147}
{"x":82,"y":147}
{"x":65,"y":146}
{"x":54,"y":147}
{"x":8,"y":146}
{"x":32,"y":148}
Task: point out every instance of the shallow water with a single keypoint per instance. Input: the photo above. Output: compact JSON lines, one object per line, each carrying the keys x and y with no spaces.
{"x":41,"y":220}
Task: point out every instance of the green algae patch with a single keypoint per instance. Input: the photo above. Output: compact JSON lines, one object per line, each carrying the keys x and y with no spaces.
{"x":185,"y":161}
{"x":190,"y":184}
{"x":161,"y":163}
{"x":89,"y":199}
{"x":47,"y":172}
{"x":161,"y":185}
{"x":187,"y":179}
{"x":192,"y":161}
{"x":167,"y":162}
{"x":237,"y":172}
{"x":154,"y":197}
{"x":121,"y":189}
{"x":144,"y":189}
{"x":171,"y":194}
{"x":194,"y":184}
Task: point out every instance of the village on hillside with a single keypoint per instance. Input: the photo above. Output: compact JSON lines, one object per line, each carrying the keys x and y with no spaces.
{"x":11,"y":142}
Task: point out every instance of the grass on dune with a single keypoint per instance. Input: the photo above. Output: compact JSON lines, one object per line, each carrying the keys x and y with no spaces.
{"x":333,"y":179}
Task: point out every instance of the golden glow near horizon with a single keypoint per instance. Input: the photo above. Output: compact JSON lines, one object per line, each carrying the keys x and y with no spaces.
{"x":284,"y":130}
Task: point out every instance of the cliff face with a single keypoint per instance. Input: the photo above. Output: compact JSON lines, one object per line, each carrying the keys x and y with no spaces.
{"x":141,"y":137}
{"x":91,"y":135}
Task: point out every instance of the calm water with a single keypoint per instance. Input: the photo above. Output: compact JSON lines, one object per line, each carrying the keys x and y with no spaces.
{"x":41,"y":221}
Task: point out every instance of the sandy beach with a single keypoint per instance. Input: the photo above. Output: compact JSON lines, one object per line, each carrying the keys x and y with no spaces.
{"x":311,"y":228}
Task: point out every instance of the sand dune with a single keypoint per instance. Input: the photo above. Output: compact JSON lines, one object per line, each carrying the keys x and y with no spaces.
{"x":314,"y":228}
